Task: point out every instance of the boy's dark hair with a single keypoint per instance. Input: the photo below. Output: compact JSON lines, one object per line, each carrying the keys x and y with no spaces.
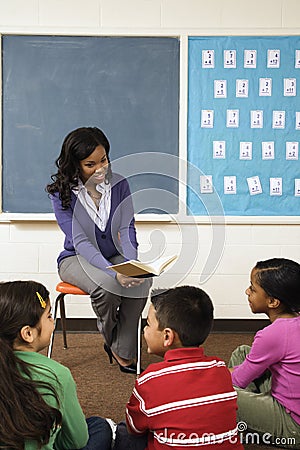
{"x":188,"y":310}
{"x":280,"y":278}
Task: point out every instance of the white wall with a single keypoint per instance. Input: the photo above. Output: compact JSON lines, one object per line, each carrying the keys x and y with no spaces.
{"x":29,"y":248}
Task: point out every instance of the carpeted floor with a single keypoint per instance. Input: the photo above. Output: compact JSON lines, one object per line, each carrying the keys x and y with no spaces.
{"x":103,"y":389}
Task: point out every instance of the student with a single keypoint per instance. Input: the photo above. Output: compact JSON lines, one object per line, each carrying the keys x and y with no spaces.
{"x":267,"y":375}
{"x":93,"y":207}
{"x":39,"y":408}
{"x":187,"y":400}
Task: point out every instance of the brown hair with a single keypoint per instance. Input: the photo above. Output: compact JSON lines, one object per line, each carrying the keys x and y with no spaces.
{"x":24,"y":413}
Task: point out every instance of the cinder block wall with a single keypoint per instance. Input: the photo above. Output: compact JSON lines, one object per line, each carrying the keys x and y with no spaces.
{"x":29,"y":248}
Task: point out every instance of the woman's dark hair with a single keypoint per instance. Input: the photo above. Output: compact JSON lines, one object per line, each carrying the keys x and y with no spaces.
{"x":280,"y":278}
{"x":23,"y":411}
{"x":77,"y":145}
{"x":188,"y":310}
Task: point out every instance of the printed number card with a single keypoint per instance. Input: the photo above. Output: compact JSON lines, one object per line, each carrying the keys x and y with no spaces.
{"x":250,"y":59}
{"x":273,"y":59}
{"x":244,"y":123}
{"x":289,"y":87}
{"x":219,"y":148}
{"x":232,"y":118}
{"x":257,"y":119}
{"x":265,"y":87}
{"x":297,"y":59}
{"x":230,"y":185}
{"x":268,"y":150}
{"x":220,"y":88}
{"x":291,"y":151}
{"x":297,"y":187}
{"x":275,"y":186}
{"x":229,"y":59}
{"x":208,"y":59}
{"x":246,"y":150}
{"x":254,"y":185}
{"x":207,"y":119}
{"x":206,"y":184}
{"x":278,"y":120}
{"x":242,"y":88}
{"x":297,"y":127}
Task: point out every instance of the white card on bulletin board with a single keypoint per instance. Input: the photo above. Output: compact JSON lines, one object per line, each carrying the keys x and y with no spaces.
{"x":273,"y":59}
{"x":275,"y":186}
{"x":297,"y":187}
{"x":242,"y":88}
{"x":292,"y":151}
{"x":268,"y":150}
{"x":230,"y":184}
{"x":250,"y":59}
{"x":207,"y":118}
{"x":206,"y":184}
{"x":219,"y":149}
{"x":278,"y":120}
{"x":208,"y":59}
{"x":257,"y":119}
{"x":265,"y":87}
{"x":220,"y":88}
{"x":229,"y":59}
{"x":246,"y":150}
{"x":254,"y":185}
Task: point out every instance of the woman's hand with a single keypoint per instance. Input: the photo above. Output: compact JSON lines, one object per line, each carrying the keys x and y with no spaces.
{"x":128,"y":282}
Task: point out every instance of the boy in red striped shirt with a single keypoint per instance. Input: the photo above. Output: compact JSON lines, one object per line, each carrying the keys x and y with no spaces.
{"x":187,"y":400}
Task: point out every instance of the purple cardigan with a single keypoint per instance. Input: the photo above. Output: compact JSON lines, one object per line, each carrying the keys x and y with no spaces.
{"x":83,"y":237}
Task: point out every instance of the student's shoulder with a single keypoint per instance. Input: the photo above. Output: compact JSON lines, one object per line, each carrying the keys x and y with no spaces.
{"x":43,"y":363}
{"x":266,"y":337}
{"x":278,"y":326}
{"x":209,"y":366}
{"x":152,"y":371}
{"x":54,"y":365}
{"x":159,"y":370}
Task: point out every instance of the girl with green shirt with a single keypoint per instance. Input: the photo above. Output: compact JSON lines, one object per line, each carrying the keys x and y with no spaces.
{"x":39,"y":408}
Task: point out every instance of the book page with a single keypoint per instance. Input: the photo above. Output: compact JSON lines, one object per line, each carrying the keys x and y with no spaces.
{"x":161,"y":263}
{"x":137,"y":269}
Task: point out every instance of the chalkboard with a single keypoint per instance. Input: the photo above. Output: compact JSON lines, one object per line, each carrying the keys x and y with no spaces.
{"x":244,"y":124}
{"x":127,"y":86}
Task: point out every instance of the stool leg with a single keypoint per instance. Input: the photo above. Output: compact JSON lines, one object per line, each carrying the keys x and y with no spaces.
{"x":63,"y":319}
{"x":52,"y":336}
{"x":138,"y":361}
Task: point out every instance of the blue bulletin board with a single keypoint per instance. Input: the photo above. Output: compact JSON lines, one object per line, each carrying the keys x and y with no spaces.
{"x":244,"y":124}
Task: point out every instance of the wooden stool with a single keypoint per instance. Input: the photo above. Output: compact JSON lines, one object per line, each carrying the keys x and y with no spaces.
{"x":69,"y":289}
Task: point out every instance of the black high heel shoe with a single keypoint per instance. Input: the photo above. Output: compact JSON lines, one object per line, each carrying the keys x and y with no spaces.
{"x":126,"y":369}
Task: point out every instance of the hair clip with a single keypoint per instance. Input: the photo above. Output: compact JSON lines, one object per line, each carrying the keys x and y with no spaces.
{"x":42,"y":301}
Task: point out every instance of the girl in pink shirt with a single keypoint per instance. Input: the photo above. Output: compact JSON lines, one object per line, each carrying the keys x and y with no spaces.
{"x":267,"y":375}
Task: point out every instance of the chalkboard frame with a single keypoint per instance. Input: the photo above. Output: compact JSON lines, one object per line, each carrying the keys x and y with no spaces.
{"x":32,"y":137}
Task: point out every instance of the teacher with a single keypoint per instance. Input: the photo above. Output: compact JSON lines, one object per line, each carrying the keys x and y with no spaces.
{"x":93,"y":208}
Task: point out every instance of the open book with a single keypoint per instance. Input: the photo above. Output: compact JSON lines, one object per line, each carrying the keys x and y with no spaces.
{"x":138,"y":269}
